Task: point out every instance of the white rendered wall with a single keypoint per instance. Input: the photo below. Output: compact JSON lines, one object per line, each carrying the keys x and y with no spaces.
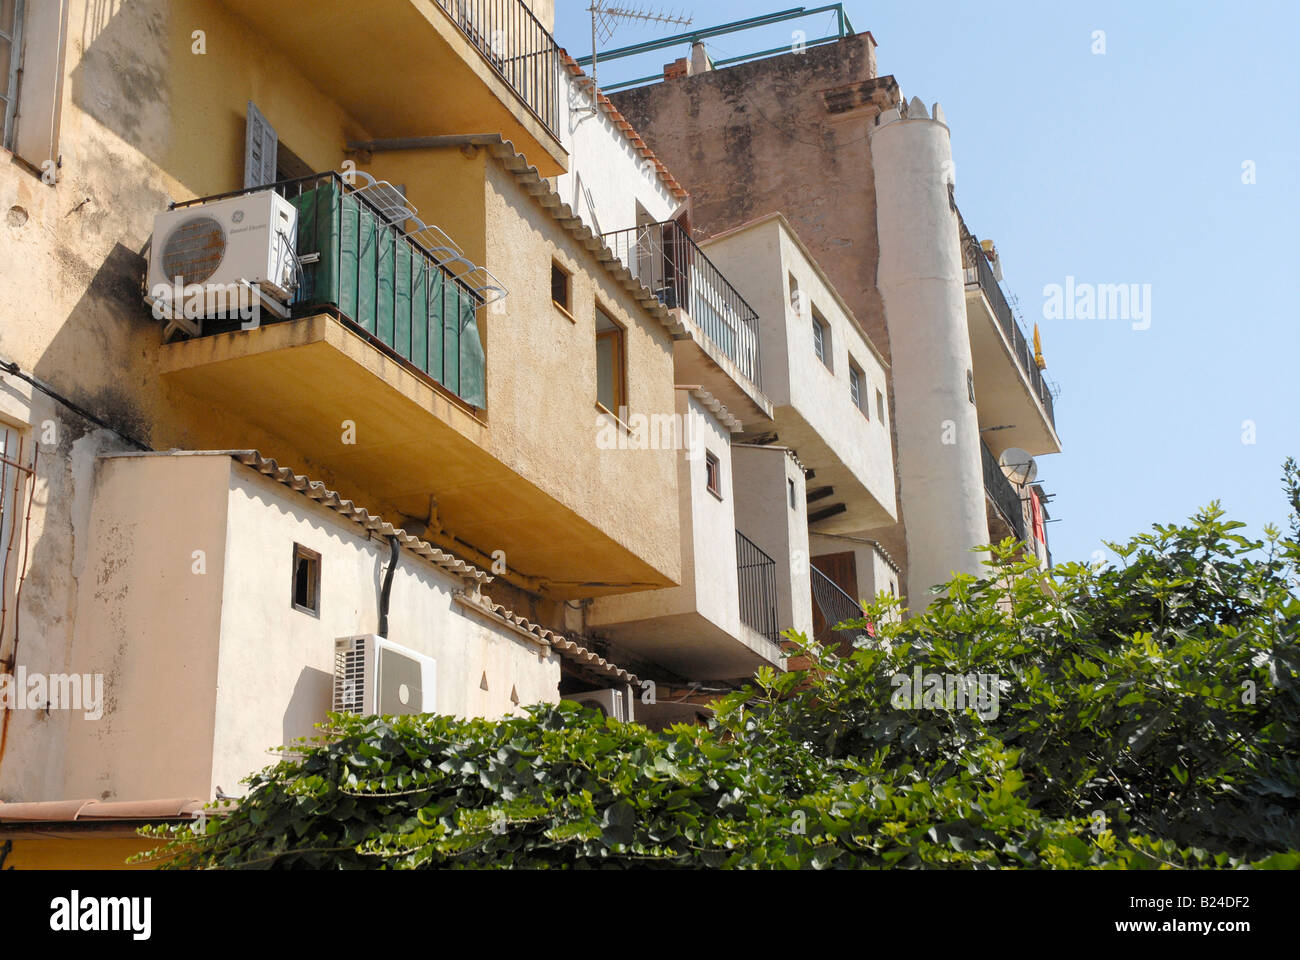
{"x":708,"y":536}
{"x":204,"y":671}
{"x":759,"y":261}
{"x":764,"y":515}
{"x":603,"y":160}
{"x":921,"y":283}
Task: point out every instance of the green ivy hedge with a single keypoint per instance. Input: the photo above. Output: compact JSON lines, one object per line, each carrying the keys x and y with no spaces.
{"x":1147,"y":714}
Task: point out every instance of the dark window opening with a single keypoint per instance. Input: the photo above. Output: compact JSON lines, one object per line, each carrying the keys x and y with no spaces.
{"x":306,"y":580}
{"x":560,"y":287}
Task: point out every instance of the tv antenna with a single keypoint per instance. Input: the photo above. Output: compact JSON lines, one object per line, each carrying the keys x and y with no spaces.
{"x":605,"y":20}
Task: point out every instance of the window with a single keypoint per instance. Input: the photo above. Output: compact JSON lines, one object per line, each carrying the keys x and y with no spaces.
{"x":970,"y":385}
{"x":611,"y":365}
{"x":713,"y":474}
{"x":790,"y":484}
{"x":11,"y":46}
{"x":306,"y":580}
{"x":855,"y":389}
{"x":796,"y":297}
{"x":880,"y":406}
{"x":15,"y":457}
{"x":560,"y":288}
{"x":821,"y":338}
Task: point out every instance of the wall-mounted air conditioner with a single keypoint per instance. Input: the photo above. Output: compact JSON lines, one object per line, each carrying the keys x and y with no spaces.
{"x":373,"y":675}
{"x":612,"y":703}
{"x":246,"y":242}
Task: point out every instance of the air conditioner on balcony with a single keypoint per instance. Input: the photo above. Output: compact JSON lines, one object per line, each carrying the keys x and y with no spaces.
{"x":373,"y":675}
{"x":612,"y":703}
{"x":244,"y":244}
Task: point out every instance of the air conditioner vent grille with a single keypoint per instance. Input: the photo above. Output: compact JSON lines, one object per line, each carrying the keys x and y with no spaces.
{"x":194,"y":250}
{"x":350,"y":677}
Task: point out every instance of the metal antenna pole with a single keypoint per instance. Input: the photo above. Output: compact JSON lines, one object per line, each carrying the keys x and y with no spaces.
{"x":605,"y":20}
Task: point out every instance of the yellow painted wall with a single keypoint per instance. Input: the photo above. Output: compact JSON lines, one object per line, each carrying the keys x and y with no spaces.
{"x":77,"y":850}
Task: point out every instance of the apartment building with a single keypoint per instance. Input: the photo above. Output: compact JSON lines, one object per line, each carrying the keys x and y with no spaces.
{"x":328,"y":387}
{"x":865,"y":177}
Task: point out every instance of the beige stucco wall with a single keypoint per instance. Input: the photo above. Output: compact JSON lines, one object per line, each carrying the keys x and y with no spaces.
{"x":204,"y":672}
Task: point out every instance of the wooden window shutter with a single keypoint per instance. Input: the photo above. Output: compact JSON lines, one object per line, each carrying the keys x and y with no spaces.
{"x":260,"y":145}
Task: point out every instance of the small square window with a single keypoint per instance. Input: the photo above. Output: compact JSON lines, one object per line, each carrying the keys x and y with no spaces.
{"x":306,"y":580}
{"x":560,"y":287}
{"x":713,"y":474}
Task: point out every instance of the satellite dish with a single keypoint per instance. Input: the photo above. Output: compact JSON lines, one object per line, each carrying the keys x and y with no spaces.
{"x":1018,"y":466}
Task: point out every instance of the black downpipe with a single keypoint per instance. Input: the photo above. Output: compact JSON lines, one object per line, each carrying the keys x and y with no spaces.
{"x":396,"y":548}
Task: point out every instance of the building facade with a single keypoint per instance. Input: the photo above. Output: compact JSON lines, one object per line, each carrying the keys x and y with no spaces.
{"x":324,"y":386}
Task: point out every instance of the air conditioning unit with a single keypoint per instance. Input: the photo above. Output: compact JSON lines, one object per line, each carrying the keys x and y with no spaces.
{"x":373,"y":675}
{"x":246,"y":243}
{"x":612,"y":703}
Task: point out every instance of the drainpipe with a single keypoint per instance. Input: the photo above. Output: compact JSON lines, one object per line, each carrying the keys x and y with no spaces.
{"x":396,"y":549}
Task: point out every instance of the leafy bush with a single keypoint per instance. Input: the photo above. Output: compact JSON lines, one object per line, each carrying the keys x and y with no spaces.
{"x":1147,"y":715}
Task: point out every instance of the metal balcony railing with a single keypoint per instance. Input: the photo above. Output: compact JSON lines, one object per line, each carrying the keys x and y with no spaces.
{"x":756,"y":573}
{"x":409,"y":298}
{"x":978,"y":272}
{"x":518,"y":47}
{"x":832,"y":607}
{"x":664,"y":258}
{"x":1002,"y":492}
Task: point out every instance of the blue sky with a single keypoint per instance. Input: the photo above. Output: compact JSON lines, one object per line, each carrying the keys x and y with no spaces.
{"x":1122,"y":167}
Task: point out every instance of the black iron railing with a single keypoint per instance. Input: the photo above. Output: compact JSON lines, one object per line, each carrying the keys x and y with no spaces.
{"x":518,"y":47}
{"x":979,"y":273}
{"x":664,"y":258}
{"x":756,"y":572}
{"x":1002,"y":492}
{"x":832,"y":607}
{"x":408,"y":298}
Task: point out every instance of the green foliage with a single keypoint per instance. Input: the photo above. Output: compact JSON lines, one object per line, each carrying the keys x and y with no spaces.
{"x":1148,"y":715}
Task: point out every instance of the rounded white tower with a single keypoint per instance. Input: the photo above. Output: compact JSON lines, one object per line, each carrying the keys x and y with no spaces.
{"x":921,"y":283}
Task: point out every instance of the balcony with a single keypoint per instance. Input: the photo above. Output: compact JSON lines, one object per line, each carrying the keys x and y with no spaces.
{"x":724,"y":326}
{"x":1009,"y":386}
{"x":1003,"y":495}
{"x":378,"y":380}
{"x":411,"y":296}
{"x":756,"y":576}
{"x":462,"y":66}
{"x":831,"y":608}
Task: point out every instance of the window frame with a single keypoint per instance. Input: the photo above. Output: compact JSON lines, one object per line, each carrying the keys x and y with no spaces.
{"x":713,"y":473}
{"x":565,"y":308}
{"x":822,"y":347}
{"x":618,"y":336}
{"x":10,"y":93}
{"x":316,"y":568}
{"x":857,"y":382}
